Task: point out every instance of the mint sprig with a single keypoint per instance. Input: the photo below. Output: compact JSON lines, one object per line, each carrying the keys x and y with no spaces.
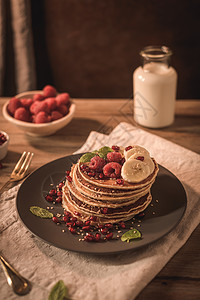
{"x":41,"y":212}
{"x":59,"y":292}
{"x":132,"y":234}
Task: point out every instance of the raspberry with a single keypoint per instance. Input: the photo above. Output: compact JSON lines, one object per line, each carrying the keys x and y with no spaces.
{"x":63,"y":109}
{"x":114,"y":156}
{"x":38,"y":106}
{"x":63,"y":99}
{"x":41,"y":117}
{"x":22,"y":114}
{"x":128,"y":148}
{"x":49,"y":91}
{"x":26,"y":102}
{"x":112,"y":170}
{"x":97,"y":163}
{"x":38,"y":97}
{"x":13,"y":104}
{"x":51,"y":102}
{"x":55,"y":115}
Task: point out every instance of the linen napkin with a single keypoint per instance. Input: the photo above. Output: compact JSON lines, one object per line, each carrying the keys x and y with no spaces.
{"x":89,"y":277}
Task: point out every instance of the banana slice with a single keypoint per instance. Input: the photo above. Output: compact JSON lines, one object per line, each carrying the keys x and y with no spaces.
{"x":135,"y":149}
{"x":134,"y":170}
{"x":144,"y":158}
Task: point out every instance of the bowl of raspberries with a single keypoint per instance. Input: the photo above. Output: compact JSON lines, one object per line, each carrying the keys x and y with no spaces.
{"x":4,"y":141}
{"x":40,"y":113}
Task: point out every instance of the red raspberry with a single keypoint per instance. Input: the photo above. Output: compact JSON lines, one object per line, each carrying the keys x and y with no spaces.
{"x":26,"y":102}
{"x":38,"y":97}
{"x":13,"y":104}
{"x":22,"y":114}
{"x":63,"y":109}
{"x":63,"y":99}
{"x":114,"y":156}
{"x":49,"y":91}
{"x":55,"y":115}
{"x":38,"y":106}
{"x":41,"y":117}
{"x":97,"y":163}
{"x":112,"y":170}
{"x":51,"y":102}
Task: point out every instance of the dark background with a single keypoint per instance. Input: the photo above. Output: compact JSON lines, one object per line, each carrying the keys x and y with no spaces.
{"x":90,"y":48}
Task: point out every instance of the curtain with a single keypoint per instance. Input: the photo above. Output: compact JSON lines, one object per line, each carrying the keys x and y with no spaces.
{"x":17,"y":63}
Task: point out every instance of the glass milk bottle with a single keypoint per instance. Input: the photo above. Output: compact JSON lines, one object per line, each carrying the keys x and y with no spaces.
{"x":154,"y":87}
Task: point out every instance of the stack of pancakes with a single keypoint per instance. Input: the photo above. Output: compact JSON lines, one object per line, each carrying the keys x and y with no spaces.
{"x":105,"y":199}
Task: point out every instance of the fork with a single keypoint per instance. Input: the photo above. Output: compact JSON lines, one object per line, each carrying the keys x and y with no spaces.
{"x":19,"y":172}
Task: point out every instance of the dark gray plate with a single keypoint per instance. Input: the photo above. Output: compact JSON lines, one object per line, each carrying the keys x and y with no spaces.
{"x":165,"y":212}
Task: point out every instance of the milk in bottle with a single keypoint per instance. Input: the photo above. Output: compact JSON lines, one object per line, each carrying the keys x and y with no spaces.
{"x":154,"y":87}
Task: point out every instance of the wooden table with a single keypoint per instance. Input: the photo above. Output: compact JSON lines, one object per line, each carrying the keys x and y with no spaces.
{"x":180,"y":278}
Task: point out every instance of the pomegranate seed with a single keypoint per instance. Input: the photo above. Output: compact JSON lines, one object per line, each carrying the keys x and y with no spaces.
{"x":58,"y":199}
{"x":109,"y":225}
{"x":86,"y":228}
{"x":67,"y":213}
{"x":122,"y":225}
{"x":93,"y":218}
{"x":69,"y":178}
{"x":67,"y":173}
{"x":97,"y":237}
{"x":101,"y":176}
{"x":59,"y":193}
{"x":109,"y":236}
{"x":115,"y":148}
{"x":87,"y":223}
{"x":60,"y":185}
{"x":88,"y":238}
{"x":49,"y":198}
{"x":105,"y":210}
{"x":79,"y":223}
{"x":140,"y":215}
{"x":52,"y":192}
{"x":101,"y":226}
{"x":77,"y":213}
{"x":55,"y":220}
{"x":92,"y":174}
{"x":73,"y":219}
{"x":140,"y":158}
{"x":72,"y":230}
{"x":128,"y":148}
{"x":104,"y":231}
{"x":70,"y":224}
{"x":120,"y":181}
{"x":65,"y":219}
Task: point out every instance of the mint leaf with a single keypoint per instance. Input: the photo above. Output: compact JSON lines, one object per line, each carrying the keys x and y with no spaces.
{"x":87,"y":157}
{"x":102,"y":152}
{"x":59,"y":291}
{"x":131,"y":235}
{"x":41,"y":212}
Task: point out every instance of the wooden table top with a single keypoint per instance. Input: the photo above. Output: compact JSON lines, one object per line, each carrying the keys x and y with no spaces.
{"x":180,"y":278}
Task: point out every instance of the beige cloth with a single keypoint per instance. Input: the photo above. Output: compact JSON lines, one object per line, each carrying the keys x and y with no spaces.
{"x":88,"y":277}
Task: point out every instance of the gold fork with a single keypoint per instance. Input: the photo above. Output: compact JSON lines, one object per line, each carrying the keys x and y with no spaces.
{"x":19,"y":172}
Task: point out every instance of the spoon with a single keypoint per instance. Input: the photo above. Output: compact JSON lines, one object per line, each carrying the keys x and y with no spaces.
{"x":19,"y":284}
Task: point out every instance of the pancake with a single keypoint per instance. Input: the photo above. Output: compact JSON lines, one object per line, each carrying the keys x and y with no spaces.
{"x":90,"y":192}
